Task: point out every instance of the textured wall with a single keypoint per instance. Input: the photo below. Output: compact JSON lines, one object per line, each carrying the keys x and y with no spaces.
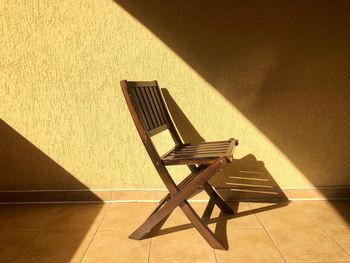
{"x":61,"y":62}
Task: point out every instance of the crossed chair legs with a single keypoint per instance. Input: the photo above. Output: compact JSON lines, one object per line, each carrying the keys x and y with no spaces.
{"x":178,"y":195}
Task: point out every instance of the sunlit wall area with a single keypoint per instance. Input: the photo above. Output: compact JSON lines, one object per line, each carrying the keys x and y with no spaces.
{"x":285,"y":97}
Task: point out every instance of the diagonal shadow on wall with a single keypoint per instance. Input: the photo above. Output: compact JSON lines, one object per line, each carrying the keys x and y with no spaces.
{"x":61,"y":230}
{"x":283,"y":64}
{"x":25,"y":167}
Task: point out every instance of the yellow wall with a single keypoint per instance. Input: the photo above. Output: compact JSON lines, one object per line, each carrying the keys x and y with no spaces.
{"x":275,"y":76}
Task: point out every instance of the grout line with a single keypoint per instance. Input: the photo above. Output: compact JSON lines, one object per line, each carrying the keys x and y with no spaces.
{"x":216,"y":258}
{"x":93,"y":237}
{"x":328,"y":234}
{"x":157,"y":189}
{"x":94,"y":202}
{"x":149,"y":252}
{"x":319,"y":199}
{"x":82,"y":190}
{"x":153,"y":201}
{"x":203,"y":208}
{"x":156,"y":201}
{"x":256,"y":216}
{"x":326,"y":261}
{"x":48,"y":221}
{"x":150,"y":245}
{"x":267,"y":232}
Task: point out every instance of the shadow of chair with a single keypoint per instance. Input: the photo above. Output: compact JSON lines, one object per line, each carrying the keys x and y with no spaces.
{"x":246,"y":179}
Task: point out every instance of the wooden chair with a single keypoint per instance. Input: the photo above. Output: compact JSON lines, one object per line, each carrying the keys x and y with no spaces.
{"x":150,"y":115}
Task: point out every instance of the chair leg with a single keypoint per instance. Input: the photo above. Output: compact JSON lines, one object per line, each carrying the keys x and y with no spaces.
{"x":177,"y":199}
{"x":158,"y":226}
{"x":224,"y":207}
{"x":203,"y":229}
{"x":208,"y":210}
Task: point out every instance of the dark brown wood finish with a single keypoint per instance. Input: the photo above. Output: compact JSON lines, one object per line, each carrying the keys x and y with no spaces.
{"x":150,"y":115}
{"x":202,"y":153}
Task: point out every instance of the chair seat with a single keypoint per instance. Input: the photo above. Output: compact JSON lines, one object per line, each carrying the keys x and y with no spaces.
{"x":199,"y":153}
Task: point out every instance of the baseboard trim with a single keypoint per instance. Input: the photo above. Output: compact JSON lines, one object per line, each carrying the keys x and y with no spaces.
{"x":153,"y":195}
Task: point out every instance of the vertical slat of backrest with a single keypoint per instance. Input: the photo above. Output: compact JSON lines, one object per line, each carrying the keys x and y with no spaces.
{"x":139,"y":109}
{"x":153,"y":91}
{"x":160,"y":104}
{"x":149,"y":107}
{"x":153,"y":106}
{"x":145,"y":110}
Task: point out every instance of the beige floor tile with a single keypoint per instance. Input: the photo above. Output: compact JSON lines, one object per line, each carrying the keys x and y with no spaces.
{"x":13,"y":243}
{"x":126,"y":217}
{"x":59,"y":245}
{"x":333,"y":217}
{"x":303,"y":231}
{"x":111,"y":246}
{"x":202,"y":196}
{"x":178,"y":218}
{"x":249,"y":245}
{"x":78,"y":216}
{"x":181,"y":246}
{"x":25,"y":217}
{"x":298,"y":237}
{"x":244,"y":218}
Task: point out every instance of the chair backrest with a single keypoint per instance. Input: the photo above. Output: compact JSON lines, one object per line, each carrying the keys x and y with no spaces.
{"x":148,"y":110}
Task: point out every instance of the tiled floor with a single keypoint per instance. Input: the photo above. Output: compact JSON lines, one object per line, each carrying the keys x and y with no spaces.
{"x":312,"y":231}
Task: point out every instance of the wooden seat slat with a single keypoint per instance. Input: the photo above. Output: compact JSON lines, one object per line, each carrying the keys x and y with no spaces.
{"x":195,"y":156}
{"x":197,"y":153}
{"x":203,"y":148}
{"x":189,"y":146}
{"x":189,"y":161}
{"x":207,"y":143}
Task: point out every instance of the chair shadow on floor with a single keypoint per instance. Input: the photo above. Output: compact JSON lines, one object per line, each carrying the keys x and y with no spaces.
{"x":246,"y":179}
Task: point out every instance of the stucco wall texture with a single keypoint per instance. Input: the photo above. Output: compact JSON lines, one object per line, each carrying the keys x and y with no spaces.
{"x":61,"y":63}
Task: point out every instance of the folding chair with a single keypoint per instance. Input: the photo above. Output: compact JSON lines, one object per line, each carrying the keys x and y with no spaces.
{"x":150,"y":115}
